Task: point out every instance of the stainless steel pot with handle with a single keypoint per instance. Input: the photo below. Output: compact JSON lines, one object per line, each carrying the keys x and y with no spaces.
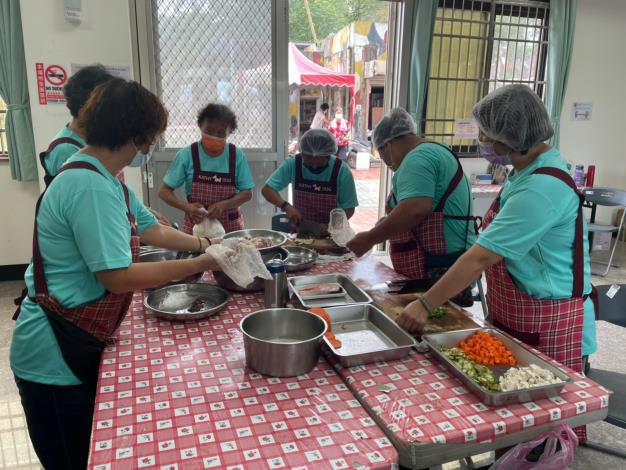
{"x":282,"y":342}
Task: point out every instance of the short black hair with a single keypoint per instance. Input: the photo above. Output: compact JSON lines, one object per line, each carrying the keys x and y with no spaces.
{"x":324,"y":106}
{"x":81,"y":84}
{"x":119,"y":112}
{"x":218,"y":112}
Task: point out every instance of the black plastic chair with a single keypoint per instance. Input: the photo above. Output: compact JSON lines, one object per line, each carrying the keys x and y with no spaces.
{"x":612,"y":311}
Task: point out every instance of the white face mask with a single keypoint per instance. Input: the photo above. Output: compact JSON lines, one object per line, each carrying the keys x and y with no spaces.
{"x":141,"y":158}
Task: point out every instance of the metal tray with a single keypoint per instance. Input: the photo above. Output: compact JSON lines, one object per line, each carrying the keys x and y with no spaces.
{"x":524,"y":358}
{"x":367,"y":335}
{"x":354,"y":294}
{"x":174,"y":302}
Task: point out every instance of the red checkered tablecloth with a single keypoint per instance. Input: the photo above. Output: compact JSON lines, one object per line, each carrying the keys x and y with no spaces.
{"x":178,"y":396}
{"x":419,"y":400}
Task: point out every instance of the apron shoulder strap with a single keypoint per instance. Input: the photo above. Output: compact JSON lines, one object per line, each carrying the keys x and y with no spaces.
{"x":335,"y":174}
{"x":298,"y":158}
{"x":41,"y":286}
{"x":232,"y":162}
{"x":454,"y":182}
{"x":195,"y":158}
{"x":579,"y":266}
{"x":54,"y":144}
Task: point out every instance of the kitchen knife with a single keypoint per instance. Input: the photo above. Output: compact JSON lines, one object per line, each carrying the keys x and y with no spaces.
{"x":308,"y":227}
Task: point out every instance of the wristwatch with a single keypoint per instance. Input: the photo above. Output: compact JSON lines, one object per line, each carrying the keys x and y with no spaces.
{"x":284,"y":205}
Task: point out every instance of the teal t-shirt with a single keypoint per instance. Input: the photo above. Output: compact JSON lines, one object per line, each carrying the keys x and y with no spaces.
{"x":55,"y":159}
{"x":426,"y":171}
{"x":534,"y":233}
{"x":181,"y":170}
{"x":83,"y":229}
{"x":285,"y":175}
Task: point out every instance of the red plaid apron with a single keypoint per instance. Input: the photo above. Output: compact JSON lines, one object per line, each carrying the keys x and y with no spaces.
{"x":315,"y":199}
{"x":64,"y":140}
{"x":554,"y":327}
{"x":408,"y":249}
{"x":209,"y":187}
{"x":82,"y":332}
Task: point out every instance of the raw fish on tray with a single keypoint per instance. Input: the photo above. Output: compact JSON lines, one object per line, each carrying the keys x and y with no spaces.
{"x":328,"y":288}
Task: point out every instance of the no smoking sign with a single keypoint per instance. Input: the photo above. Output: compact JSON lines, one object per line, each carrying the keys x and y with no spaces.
{"x":50,"y":81}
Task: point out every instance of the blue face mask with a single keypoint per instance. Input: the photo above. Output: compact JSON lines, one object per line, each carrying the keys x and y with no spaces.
{"x":141,"y":158}
{"x":488,"y":152}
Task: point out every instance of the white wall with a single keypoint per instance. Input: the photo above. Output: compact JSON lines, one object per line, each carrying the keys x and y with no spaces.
{"x":102,"y":36}
{"x":598,"y":74}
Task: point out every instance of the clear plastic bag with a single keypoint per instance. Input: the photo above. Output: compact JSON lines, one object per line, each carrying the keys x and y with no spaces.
{"x":211,"y":228}
{"x":339,"y":227}
{"x":240,"y":260}
{"x":552,"y":457}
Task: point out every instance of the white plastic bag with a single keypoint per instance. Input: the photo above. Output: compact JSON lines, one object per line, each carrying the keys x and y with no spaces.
{"x":339,"y":227}
{"x":211,"y":228}
{"x":550,"y":458}
{"x":239,"y":260}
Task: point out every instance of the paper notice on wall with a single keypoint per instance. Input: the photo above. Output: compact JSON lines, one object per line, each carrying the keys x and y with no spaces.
{"x":50,"y":81}
{"x":120,"y":71}
{"x":581,"y":111}
{"x":465,"y":129}
{"x":73,"y":11}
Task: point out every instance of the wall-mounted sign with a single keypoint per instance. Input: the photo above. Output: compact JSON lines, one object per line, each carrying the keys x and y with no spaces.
{"x":50,"y":82}
{"x":581,"y":111}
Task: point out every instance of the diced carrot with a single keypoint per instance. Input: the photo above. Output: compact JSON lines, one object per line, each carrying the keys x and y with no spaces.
{"x":486,"y":349}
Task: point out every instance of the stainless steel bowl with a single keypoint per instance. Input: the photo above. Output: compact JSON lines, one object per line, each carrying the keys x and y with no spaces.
{"x":151,"y":254}
{"x":278,"y":238}
{"x":299,"y":258}
{"x":227,"y":283}
{"x":176,"y":302}
{"x":282,"y":342}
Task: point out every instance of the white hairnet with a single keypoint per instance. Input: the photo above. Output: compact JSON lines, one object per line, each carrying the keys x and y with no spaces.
{"x":318,"y":143}
{"x":515,"y":116}
{"x":394,"y":124}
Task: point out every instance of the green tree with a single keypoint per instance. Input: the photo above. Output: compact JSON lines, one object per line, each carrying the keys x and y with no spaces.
{"x":329,"y":16}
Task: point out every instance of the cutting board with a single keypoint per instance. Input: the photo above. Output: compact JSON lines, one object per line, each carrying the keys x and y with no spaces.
{"x":393,"y":304}
{"x":324,"y":246}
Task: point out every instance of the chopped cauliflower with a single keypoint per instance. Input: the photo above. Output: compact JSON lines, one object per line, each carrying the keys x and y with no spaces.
{"x":518,"y":378}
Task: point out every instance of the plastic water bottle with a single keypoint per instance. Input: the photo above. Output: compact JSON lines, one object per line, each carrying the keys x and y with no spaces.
{"x":579,"y":176}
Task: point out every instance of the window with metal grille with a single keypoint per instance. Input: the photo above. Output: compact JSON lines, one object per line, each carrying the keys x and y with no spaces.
{"x":206,"y":52}
{"x":4,"y":148}
{"x":478,"y":46}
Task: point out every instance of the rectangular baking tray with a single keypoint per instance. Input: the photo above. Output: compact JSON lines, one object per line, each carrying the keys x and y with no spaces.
{"x":353,"y":293}
{"x":341,"y":293}
{"x":367,"y":335}
{"x":524,"y":357}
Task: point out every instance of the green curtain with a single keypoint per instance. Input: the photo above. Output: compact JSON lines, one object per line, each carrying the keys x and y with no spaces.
{"x":14,"y":92}
{"x":560,"y":44}
{"x":423,"y":26}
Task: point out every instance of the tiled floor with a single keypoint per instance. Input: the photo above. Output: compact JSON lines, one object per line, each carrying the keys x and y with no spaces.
{"x":16,"y":452}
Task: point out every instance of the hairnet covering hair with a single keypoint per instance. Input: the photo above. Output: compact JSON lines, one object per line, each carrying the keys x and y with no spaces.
{"x":394,"y":124}
{"x":318,"y":143}
{"x":515,"y":116}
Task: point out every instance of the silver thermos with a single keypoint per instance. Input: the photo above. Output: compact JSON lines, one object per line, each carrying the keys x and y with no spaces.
{"x":276,"y":287}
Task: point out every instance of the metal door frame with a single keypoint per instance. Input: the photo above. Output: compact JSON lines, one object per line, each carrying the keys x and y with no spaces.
{"x":145,"y":72}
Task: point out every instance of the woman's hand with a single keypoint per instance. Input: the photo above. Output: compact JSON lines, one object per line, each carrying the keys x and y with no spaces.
{"x":196,"y":212}
{"x":295,"y":216}
{"x":413,"y":318}
{"x":207,"y":262}
{"x":215,"y":211}
{"x":360,"y":244}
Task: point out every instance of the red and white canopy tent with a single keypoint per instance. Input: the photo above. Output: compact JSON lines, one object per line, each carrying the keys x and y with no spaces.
{"x":303,"y":71}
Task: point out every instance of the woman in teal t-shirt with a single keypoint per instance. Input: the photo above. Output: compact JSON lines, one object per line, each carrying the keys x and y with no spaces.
{"x":215,"y":174}
{"x":88,"y":226}
{"x":534,"y":244}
